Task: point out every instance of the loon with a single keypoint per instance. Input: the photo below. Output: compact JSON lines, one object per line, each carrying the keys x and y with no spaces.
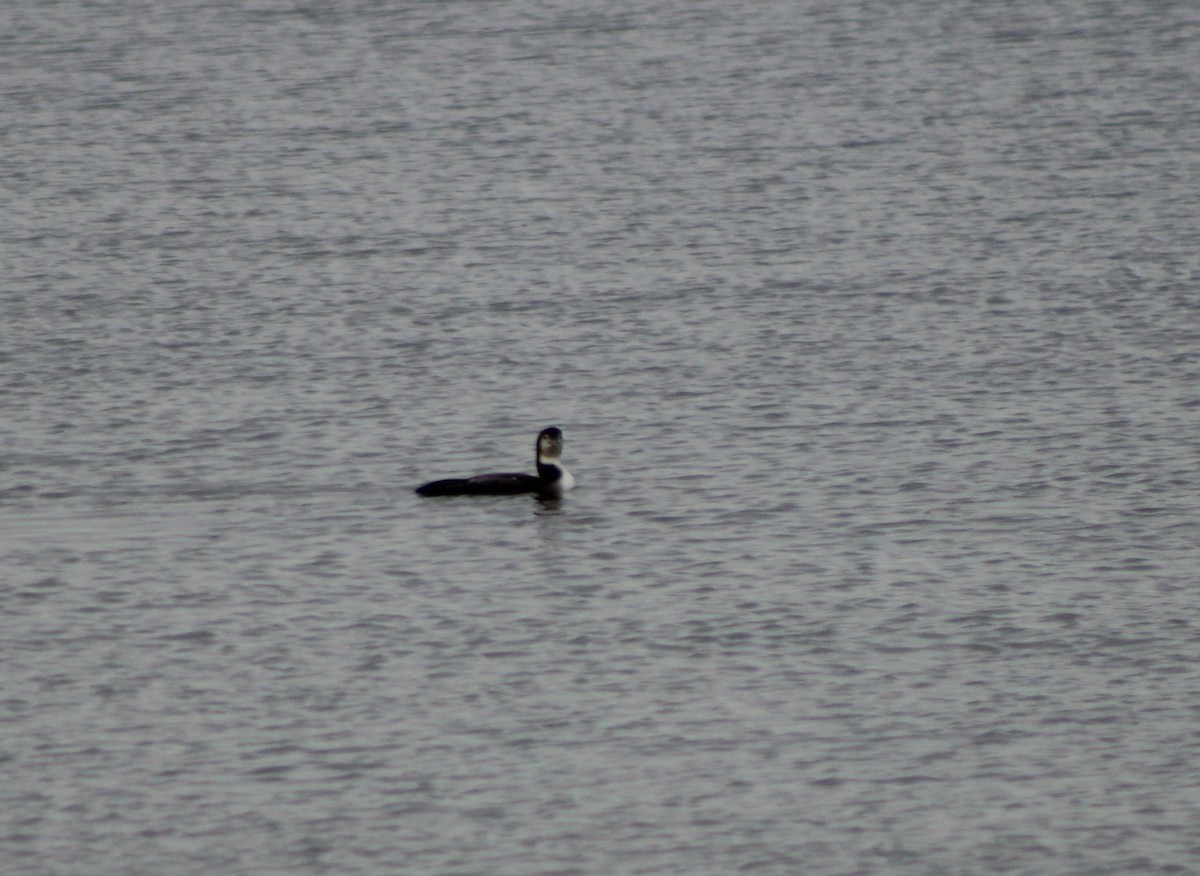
{"x":551,"y":481}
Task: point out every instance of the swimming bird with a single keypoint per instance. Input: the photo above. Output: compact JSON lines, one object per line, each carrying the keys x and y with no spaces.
{"x":551,"y":481}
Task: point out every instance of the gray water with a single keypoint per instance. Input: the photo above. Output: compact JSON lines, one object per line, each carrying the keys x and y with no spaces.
{"x":874,"y":330}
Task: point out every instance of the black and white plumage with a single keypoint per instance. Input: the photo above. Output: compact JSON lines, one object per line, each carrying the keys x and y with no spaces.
{"x":552,"y":478}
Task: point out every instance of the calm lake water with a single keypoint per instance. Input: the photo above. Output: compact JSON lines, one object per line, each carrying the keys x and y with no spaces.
{"x":874,"y":331}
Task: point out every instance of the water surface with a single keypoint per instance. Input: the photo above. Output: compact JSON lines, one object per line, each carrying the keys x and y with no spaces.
{"x":873,"y":332}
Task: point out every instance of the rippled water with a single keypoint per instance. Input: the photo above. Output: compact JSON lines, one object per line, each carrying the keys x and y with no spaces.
{"x":874,"y":331}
